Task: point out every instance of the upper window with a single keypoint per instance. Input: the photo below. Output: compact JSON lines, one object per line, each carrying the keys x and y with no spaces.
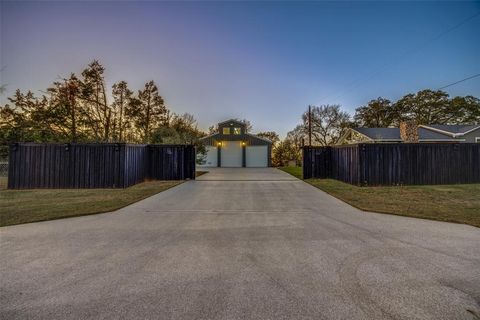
{"x":226,"y":130}
{"x":477,"y":139}
{"x":237,"y":131}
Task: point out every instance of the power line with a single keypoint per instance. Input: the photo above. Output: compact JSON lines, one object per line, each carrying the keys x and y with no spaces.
{"x":355,"y":83}
{"x":454,"y":83}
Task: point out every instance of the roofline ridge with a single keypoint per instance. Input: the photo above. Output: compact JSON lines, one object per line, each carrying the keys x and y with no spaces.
{"x":261,"y":138}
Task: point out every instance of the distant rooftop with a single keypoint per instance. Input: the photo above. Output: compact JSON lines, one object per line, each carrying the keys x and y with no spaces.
{"x":380,"y":133}
{"x":393,"y":134}
{"x":461,"y":128}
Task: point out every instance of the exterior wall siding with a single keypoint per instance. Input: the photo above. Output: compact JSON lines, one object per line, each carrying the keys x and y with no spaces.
{"x":472,"y":136}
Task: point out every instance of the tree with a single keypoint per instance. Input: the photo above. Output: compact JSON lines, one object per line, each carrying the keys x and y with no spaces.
{"x":298,"y":135}
{"x":296,"y":138}
{"x":66,"y":113}
{"x":427,"y":107}
{"x":467,"y":109}
{"x":424,"y":107}
{"x":212,"y":129}
{"x":77,"y":109}
{"x":3,"y":87}
{"x":270,"y":135}
{"x":184,"y":121}
{"x":182,"y":129}
{"x":7,"y":129}
{"x":377,"y":113}
{"x":248,"y":124}
{"x":27,"y":119}
{"x":284,"y":152}
{"x":186,"y":127}
{"x":94,"y":96}
{"x":328,"y":124}
{"x":123,"y":101}
{"x":165,"y":135}
{"x":150,"y":112}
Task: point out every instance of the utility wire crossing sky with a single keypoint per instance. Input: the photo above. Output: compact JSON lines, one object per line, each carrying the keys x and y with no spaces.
{"x":263,"y":61}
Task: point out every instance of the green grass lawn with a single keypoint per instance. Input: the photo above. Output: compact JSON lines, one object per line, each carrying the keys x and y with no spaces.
{"x":452,"y":203}
{"x":22,"y":206}
{"x":294,"y":171}
{"x":3,"y":183}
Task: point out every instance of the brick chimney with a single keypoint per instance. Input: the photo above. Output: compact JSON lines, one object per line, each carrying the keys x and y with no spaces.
{"x":409,"y":131}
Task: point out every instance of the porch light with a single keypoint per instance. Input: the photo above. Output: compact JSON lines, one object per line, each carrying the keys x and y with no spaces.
{"x":219,"y":144}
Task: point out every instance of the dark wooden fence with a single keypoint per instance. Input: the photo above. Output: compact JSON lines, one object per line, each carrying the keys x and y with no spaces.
{"x":136,"y":160}
{"x":171,"y":162}
{"x":34,"y":165}
{"x":395,"y":164}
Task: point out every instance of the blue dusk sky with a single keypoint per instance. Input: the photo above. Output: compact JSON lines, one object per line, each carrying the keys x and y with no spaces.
{"x":263,"y":61}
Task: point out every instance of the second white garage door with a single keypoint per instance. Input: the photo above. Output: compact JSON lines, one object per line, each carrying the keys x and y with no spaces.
{"x":257,"y":156}
{"x":231,"y":154}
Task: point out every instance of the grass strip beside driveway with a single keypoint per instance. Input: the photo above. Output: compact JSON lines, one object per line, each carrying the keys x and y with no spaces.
{"x":3,"y":183}
{"x":451,"y":203}
{"x":22,"y":206}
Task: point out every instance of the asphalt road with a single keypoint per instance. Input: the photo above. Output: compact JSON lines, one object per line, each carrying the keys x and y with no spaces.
{"x":229,"y":247}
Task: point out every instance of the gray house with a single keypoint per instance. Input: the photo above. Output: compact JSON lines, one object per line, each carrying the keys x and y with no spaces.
{"x":233,"y":146}
{"x":424,"y":133}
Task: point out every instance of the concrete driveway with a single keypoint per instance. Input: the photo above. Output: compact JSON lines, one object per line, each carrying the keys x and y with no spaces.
{"x":230,"y":246}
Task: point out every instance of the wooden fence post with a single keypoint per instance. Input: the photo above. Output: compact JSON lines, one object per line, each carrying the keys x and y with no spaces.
{"x":306,"y":163}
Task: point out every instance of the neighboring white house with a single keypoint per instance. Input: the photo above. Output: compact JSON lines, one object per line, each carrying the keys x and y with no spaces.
{"x":425,"y":133}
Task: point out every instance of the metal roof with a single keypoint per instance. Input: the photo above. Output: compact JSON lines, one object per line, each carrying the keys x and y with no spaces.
{"x":251,"y":139}
{"x":380,"y":133}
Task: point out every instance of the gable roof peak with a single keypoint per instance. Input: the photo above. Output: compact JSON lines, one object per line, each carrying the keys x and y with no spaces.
{"x":455,"y":130}
{"x":232,"y":120}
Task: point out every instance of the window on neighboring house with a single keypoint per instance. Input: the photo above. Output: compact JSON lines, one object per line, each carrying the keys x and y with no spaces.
{"x":477,"y":139}
{"x":226,"y":130}
{"x":237,"y":131}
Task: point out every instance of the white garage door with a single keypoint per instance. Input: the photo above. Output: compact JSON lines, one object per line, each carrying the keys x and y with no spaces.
{"x":257,"y":156}
{"x":211,"y":158}
{"x":231,"y":154}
